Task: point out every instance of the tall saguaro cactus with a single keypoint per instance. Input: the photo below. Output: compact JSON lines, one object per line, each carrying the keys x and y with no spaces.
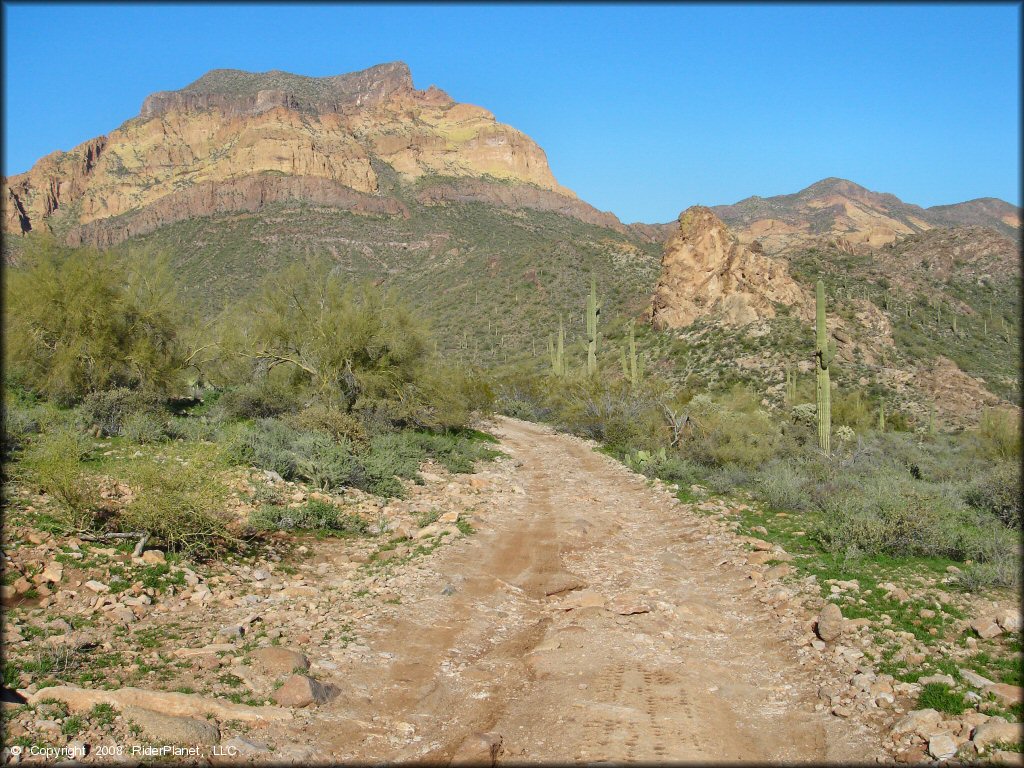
{"x":824,"y":354}
{"x":593,"y":310}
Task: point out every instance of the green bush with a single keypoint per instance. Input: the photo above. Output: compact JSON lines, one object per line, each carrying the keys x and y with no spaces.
{"x":998,"y":491}
{"x":20,"y":421}
{"x":314,"y":515}
{"x":609,"y":411}
{"x":80,"y":321}
{"x":53,"y":464}
{"x":109,"y":409}
{"x":180,"y":506}
{"x":191,"y":428}
{"x":888,"y":513}
{"x":335,"y":422}
{"x":998,"y":436}
{"x":143,"y":428}
{"x":267,"y":444}
{"x":782,"y":486}
{"x":256,"y":400}
{"x":727,"y":479}
{"x":388,"y":458}
{"x":323,"y":462}
{"x":942,"y":698}
{"x":732,"y":430}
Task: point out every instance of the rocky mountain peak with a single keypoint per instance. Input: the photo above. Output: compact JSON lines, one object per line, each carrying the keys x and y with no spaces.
{"x":237,"y":92}
{"x":705,"y":270}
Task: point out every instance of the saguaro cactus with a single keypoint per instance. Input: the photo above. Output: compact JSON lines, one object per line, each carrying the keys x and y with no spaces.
{"x":557,"y":353}
{"x":593,"y":311}
{"x":824,"y":353}
{"x":881,"y":417}
{"x":633,"y":364}
{"x":791,"y":386}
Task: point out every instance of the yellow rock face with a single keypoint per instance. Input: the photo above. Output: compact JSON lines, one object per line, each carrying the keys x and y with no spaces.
{"x":187,"y":141}
{"x":705,"y":270}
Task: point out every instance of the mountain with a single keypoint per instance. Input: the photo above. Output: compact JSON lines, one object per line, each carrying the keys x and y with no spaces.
{"x":853,"y":216}
{"x":238,"y":141}
{"x":241,"y":174}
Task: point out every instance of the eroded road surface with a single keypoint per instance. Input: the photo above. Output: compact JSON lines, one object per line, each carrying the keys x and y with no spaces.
{"x":591,"y":618}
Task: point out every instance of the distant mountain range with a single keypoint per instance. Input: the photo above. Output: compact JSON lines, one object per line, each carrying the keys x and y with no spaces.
{"x":238,"y":141}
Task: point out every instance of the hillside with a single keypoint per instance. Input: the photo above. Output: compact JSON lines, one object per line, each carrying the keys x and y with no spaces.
{"x":240,"y":174}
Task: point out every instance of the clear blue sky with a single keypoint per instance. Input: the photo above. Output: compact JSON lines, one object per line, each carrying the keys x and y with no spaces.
{"x":642,"y":110}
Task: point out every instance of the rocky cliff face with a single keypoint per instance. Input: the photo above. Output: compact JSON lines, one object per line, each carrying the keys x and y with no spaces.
{"x":705,"y":270}
{"x":235,"y":140}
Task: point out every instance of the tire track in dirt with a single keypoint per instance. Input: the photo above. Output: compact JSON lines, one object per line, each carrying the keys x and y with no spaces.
{"x":687,"y":667}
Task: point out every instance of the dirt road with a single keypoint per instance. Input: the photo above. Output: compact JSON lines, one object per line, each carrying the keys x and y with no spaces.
{"x":589,"y":619}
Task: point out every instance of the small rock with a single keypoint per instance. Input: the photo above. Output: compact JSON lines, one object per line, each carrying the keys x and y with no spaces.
{"x":973,"y":678}
{"x":301,"y":691}
{"x":240,"y":746}
{"x":260,"y":575}
{"x":153,"y":557}
{"x":997,"y":730}
{"x":1009,"y":621}
{"x":919,"y":721}
{"x":628,"y":605}
{"x":97,"y":587}
{"x":944,"y":679}
{"x":171,"y":729}
{"x":986,"y":628}
{"x":53,"y":574}
{"x":830,"y":623}
{"x":231,"y":630}
{"x":276,"y":661}
{"x":942,"y":746}
{"x":1008,"y":695}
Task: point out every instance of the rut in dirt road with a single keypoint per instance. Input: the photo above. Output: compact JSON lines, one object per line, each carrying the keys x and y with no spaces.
{"x":590,"y":618}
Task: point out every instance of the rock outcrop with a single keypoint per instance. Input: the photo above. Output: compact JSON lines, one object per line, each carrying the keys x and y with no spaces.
{"x":705,"y":270}
{"x":239,"y":140}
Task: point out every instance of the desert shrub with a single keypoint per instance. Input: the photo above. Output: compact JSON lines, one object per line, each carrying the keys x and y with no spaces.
{"x":326,"y":463}
{"x":143,"y":428}
{"x":340,"y":341}
{"x":782,"y":486}
{"x":388,"y":458}
{"x":888,"y":513}
{"x":732,"y":430}
{"x":457,"y":451}
{"x":998,"y":436}
{"x":53,"y":465}
{"x":265,"y":444}
{"x":853,"y":408}
{"x":314,"y":515}
{"x":524,"y":396}
{"x":998,"y":490}
{"x":727,"y":479}
{"x":193,"y":428}
{"x":79,"y":321}
{"x":180,"y":506}
{"x":109,"y":409}
{"x":609,"y":411}
{"x":256,"y":400}
{"x":20,"y":421}
{"x":335,"y":422}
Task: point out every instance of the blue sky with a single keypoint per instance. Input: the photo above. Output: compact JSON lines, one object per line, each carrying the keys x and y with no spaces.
{"x":642,"y":110}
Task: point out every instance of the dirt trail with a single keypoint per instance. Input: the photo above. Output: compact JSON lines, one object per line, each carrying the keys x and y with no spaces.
{"x":481,"y":646}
